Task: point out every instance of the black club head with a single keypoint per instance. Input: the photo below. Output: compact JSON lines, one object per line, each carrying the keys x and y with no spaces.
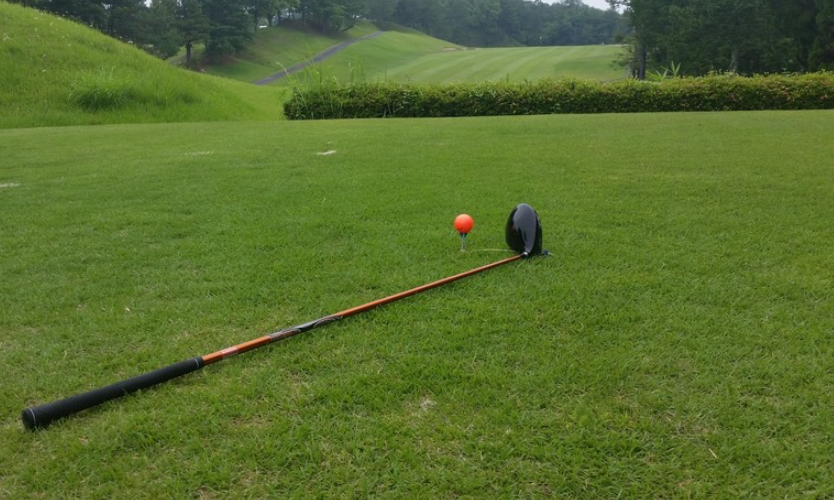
{"x":524,"y":231}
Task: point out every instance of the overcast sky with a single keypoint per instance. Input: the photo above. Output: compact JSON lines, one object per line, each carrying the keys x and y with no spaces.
{"x":599,"y":4}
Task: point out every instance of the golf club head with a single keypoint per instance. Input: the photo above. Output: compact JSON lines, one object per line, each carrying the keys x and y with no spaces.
{"x":524,"y":231}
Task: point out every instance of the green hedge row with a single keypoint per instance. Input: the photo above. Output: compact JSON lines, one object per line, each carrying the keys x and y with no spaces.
{"x":713,"y":93}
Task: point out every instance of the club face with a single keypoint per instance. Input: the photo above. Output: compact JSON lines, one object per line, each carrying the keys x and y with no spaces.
{"x":524,"y":230}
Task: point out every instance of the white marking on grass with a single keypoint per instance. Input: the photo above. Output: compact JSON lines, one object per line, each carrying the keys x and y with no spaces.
{"x":421,"y":408}
{"x":426,"y":404}
{"x":327,"y":153}
{"x":9,"y":185}
{"x":199,"y":153}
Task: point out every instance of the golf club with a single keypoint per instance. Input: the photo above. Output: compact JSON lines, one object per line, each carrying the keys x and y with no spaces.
{"x":525,"y":239}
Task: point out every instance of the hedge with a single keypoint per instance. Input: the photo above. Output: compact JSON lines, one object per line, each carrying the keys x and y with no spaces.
{"x":712,"y":93}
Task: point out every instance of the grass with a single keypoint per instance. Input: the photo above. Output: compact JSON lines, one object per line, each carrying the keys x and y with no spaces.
{"x":676,"y":344}
{"x":493,"y":64}
{"x":372,"y":59}
{"x":276,"y":48}
{"x":405,"y":55}
{"x":56,"y":72}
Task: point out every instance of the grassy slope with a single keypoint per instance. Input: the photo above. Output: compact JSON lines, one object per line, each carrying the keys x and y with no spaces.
{"x":676,"y":344}
{"x":407,"y":55}
{"x":371,"y":59}
{"x":44,"y":58}
{"x":276,"y":48}
{"x":516,"y":64}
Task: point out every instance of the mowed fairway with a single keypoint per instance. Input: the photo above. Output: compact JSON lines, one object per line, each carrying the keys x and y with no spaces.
{"x":414,"y":57}
{"x":677,"y":343}
{"x":515,"y":64}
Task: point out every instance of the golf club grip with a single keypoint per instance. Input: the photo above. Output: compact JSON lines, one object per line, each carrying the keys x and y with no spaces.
{"x":43,"y":415}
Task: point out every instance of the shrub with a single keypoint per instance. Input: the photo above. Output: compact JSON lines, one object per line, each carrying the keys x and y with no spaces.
{"x":713,"y":93}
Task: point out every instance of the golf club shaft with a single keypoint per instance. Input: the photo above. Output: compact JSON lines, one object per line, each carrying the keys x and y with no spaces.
{"x":43,"y":415}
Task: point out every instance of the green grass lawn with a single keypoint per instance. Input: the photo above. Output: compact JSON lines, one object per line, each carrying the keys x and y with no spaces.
{"x":414,"y":57}
{"x":370,"y":60}
{"x":678,"y":342}
{"x":514,"y":64}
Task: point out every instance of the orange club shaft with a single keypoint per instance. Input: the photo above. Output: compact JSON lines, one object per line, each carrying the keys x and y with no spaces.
{"x":289,"y":332}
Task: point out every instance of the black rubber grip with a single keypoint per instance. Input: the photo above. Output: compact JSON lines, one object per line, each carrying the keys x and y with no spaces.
{"x":43,"y":415}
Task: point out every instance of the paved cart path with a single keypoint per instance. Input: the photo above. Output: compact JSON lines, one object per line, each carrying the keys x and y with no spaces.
{"x":318,"y":58}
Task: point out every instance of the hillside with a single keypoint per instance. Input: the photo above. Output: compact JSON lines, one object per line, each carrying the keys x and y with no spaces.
{"x":56,"y":72}
{"x":279,"y":47}
{"x":373,"y":59}
{"x":449,"y":64}
{"x":406,"y":55}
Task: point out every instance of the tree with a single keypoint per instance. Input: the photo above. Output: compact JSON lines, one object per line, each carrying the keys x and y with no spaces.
{"x":483,"y":22}
{"x":744,"y":36}
{"x":509,"y":22}
{"x":738,"y":36}
{"x":380,"y":11}
{"x":87,"y":12}
{"x":331,"y":15}
{"x":648,"y":19}
{"x":160,"y":37}
{"x":124,"y":19}
{"x":192,"y":25}
{"x":429,"y":16}
{"x":821,"y":54}
{"x":229,"y":27}
{"x":511,"y":19}
{"x":37,"y":4}
{"x":796,"y":20}
{"x":264,"y":9}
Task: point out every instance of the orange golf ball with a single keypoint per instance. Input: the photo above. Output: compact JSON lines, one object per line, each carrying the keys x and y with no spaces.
{"x":464,"y":223}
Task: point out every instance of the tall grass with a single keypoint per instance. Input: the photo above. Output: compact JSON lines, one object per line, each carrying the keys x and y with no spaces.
{"x":107,"y":89}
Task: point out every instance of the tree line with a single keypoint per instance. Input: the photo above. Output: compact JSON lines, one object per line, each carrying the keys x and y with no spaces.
{"x":696,"y":37}
{"x":163,"y":27}
{"x":485,"y":23}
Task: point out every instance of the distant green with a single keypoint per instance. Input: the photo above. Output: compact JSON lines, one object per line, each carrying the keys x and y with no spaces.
{"x":493,"y":64}
{"x":677,"y":343}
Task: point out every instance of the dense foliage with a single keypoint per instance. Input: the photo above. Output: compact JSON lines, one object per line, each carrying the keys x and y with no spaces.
{"x":485,"y":23}
{"x":744,"y":36}
{"x":715,"y":93}
{"x":162,"y":27}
